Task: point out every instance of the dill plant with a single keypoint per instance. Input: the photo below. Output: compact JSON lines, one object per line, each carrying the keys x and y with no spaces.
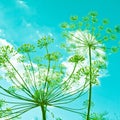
{"x":31,"y":79}
{"x":91,"y":39}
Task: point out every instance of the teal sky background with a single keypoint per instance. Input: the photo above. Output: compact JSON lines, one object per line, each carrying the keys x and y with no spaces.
{"x":24,"y":21}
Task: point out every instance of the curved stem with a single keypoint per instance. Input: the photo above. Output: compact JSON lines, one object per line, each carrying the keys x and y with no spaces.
{"x":56,"y":89}
{"x":90,"y":86}
{"x":25,"y":86}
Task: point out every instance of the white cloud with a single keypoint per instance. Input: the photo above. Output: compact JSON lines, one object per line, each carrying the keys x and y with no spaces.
{"x":38,"y":33}
{"x":2,"y":34}
{"x":22,"y":3}
{"x":13,"y":60}
{"x":3,"y":42}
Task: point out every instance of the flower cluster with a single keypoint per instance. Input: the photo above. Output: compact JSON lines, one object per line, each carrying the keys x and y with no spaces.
{"x":37,"y":81}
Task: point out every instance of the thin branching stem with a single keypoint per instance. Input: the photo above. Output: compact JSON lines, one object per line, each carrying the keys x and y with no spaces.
{"x":33,"y":72}
{"x":90,"y":86}
{"x":14,"y":95}
{"x":17,"y":83}
{"x":46,"y":86}
{"x":18,"y":113}
{"x":26,"y":86}
{"x":57,"y":88}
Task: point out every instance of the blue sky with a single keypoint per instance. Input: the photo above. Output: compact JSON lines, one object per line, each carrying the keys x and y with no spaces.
{"x":27,"y":20}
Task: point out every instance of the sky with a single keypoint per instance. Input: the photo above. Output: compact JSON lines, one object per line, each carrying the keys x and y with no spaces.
{"x":23,"y":21}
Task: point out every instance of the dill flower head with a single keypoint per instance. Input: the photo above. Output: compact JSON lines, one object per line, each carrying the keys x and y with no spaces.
{"x":81,"y":41}
{"x":82,"y":44}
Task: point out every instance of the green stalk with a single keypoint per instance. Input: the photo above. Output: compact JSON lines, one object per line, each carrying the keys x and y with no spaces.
{"x":48,"y":70}
{"x":90,"y":86}
{"x":33,"y":72}
{"x":43,"y":109}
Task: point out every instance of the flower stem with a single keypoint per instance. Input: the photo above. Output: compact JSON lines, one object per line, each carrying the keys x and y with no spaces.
{"x":43,"y":109}
{"x":90,"y":86}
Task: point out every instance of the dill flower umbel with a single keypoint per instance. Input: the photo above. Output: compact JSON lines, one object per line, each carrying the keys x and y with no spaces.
{"x":80,"y":42}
